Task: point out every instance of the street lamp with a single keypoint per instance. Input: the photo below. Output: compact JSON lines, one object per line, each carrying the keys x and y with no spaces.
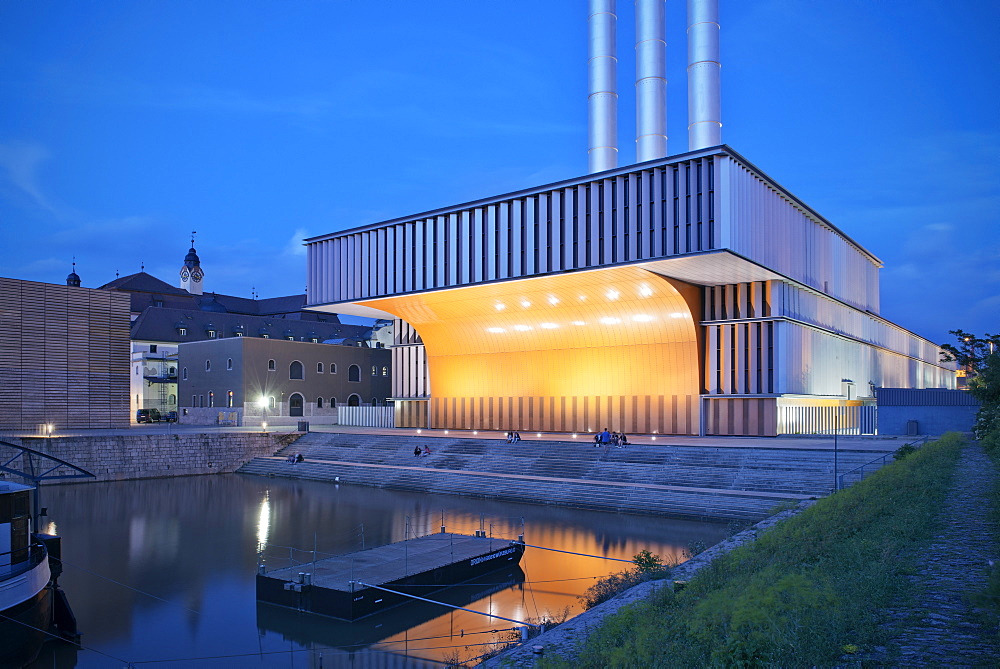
{"x":262,"y":402}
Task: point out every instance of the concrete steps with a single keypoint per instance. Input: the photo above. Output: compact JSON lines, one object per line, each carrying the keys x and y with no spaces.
{"x":687,"y":481}
{"x":718,"y":504}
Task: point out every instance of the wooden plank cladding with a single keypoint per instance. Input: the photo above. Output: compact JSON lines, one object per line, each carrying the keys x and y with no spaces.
{"x":644,"y":414}
{"x":64,"y":356}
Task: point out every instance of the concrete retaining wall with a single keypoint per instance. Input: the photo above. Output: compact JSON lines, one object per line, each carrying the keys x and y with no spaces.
{"x":930,"y":420}
{"x":121,"y":457}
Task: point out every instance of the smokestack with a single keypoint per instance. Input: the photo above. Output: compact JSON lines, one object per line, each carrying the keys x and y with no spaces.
{"x":603,"y":98}
{"x":650,"y":80}
{"x":704,"y":106}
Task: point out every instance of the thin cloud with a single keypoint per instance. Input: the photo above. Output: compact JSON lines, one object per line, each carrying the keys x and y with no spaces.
{"x":21,"y":163}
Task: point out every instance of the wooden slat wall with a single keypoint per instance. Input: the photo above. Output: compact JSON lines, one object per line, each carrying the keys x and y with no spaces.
{"x":64,"y":356}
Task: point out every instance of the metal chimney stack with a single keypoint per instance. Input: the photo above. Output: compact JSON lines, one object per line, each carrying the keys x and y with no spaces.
{"x":603,"y":98}
{"x":650,"y":80}
{"x":704,"y":105}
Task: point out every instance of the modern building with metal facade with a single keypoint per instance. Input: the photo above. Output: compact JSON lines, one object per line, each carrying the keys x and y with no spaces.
{"x":683,"y":295}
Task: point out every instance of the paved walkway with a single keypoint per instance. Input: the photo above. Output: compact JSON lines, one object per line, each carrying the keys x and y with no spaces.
{"x":948,"y":631}
{"x":876,"y":444}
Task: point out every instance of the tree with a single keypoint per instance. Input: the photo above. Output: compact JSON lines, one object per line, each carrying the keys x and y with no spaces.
{"x":986,"y":388}
{"x":971,"y":351}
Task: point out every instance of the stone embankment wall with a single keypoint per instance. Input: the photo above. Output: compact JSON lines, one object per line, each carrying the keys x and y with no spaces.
{"x":121,"y":457}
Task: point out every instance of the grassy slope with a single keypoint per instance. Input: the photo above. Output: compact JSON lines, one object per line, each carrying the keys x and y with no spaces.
{"x":805,"y":593}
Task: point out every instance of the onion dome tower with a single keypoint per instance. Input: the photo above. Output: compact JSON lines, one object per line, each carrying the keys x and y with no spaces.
{"x":191,"y":272}
{"x":73,"y":279}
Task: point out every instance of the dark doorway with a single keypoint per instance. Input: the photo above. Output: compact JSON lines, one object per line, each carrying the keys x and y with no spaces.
{"x":295,"y":405}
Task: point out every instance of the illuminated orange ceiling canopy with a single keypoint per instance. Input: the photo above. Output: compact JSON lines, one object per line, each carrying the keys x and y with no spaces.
{"x":617,"y":334}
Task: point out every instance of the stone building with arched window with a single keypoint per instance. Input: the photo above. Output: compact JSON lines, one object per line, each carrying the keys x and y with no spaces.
{"x":248,"y":380}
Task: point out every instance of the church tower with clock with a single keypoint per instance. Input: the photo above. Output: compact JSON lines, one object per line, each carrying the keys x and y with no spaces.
{"x":191,"y":273}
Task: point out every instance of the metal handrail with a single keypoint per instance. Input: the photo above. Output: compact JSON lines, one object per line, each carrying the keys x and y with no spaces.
{"x":36,"y":553}
{"x":881,"y":459}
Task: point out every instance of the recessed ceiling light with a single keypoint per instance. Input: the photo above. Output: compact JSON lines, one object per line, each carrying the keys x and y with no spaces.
{"x":579,"y":322}
{"x":612,"y":294}
{"x":549,"y":326}
{"x":525,"y":303}
{"x":645,"y":291}
{"x":494,"y":329}
{"x":642,"y":318}
{"x":610,"y":320}
{"x":553,"y":300}
{"x":522,"y":328}
{"x":501,"y":306}
{"x":677,"y":315}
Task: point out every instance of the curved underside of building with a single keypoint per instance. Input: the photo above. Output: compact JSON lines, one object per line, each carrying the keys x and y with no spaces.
{"x":615,"y":347}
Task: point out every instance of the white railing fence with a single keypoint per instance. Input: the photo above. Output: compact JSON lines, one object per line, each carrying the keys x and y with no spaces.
{"x":380,"y":416}
{"x":851,"y":420}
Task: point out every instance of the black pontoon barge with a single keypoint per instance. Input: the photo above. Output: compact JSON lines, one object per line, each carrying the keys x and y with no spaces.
{"x":349,"y":586}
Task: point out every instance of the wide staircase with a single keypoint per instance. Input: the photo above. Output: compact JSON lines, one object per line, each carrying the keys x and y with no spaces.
{"x":683,"y":481}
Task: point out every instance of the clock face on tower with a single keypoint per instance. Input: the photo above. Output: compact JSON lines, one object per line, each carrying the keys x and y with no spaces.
{"x":196,"y":275}
{"x":185,"y":275}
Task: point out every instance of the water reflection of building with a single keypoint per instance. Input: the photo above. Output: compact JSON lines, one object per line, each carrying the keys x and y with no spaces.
{"x":191,"y":543}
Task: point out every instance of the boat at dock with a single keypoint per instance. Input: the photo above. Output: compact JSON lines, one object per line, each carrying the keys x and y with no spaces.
{"x":366,"y":582}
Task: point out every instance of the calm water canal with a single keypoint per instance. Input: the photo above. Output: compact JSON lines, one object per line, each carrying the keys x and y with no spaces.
{"x":160,"y":573}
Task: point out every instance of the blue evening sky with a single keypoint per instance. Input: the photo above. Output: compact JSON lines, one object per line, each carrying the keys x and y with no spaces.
{"x":125,"y":125}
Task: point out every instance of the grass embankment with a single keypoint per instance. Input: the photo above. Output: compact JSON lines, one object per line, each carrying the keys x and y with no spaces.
{"x":989,"y":599}
{"x":805,"y":593}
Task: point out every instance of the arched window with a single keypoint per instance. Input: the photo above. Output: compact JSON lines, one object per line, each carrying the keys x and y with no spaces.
{"x":354,"y":401}
{"x":333,"y":368}
{"x":374,"y":401}
{"x":385,"y":371}
{"x":333,"y":402}
{"x":229,"y":363}
{"x":270,"y":365}
{"x":270,"y":401}
{"x":295,"y":405}
{"x":184,"y":373}
{"x":172,"y":400}
{"x":211,"y":400}
{"x":319,"y":367}
{"x":354,"y":374}
{"x":137,"y":370}
{"x":208,"y":365}
{"x":374,"y":370}
{"x":319,"y":402}
{"x":194,"y":400}
{"x":295,"y":370}
{"x":229,"y":399}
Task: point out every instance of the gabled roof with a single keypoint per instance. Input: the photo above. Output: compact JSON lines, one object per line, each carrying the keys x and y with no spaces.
{"x":143,"y":283}
{"x":162,"y":324}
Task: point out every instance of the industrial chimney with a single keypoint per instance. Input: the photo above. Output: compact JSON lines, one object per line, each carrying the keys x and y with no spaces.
{"x":603,"y":98}
{"x":704,"y":106}
{"x":650,"y":80}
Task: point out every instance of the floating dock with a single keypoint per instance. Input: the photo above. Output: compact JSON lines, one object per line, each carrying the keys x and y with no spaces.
{"x":305,"y":628}
{"x":333,"y":586}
